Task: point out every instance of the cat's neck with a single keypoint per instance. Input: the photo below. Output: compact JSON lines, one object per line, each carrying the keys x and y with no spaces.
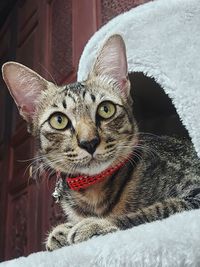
{"x":99,"y":197}
{"x":84,"y":181}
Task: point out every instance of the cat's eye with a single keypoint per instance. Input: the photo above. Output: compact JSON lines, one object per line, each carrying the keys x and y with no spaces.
{"x":58,"y":121}
{"x":106,"y":110}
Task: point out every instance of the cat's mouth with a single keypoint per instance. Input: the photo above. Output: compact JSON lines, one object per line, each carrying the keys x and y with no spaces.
{"x":89,"y":165}
{"x":93,"y":166}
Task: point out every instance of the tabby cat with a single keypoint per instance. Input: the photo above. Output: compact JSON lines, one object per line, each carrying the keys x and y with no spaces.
{"x":111,"y":177}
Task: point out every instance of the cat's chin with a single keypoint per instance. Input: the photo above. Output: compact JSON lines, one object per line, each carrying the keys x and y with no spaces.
{"x":94,"y":167}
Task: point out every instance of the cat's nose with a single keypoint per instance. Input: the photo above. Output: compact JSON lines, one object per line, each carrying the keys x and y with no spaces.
{"x":90,"y":146}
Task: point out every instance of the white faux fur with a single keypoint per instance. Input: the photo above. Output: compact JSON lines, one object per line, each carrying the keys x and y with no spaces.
{"x":163,"y":41}
{"x":173,"y":242}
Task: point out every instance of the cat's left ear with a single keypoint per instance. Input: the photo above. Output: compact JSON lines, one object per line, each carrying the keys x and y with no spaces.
{"x":112,"y":62}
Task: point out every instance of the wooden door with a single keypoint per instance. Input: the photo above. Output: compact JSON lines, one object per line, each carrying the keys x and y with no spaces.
{"x":47,"y":36}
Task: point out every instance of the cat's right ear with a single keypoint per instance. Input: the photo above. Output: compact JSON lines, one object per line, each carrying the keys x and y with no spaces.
{"x":25,"y":86}
{"x":112,"y":63}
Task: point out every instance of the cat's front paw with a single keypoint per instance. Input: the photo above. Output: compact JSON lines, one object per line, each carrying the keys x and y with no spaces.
{"x":88,"y":228}
{"x":58,"y":237}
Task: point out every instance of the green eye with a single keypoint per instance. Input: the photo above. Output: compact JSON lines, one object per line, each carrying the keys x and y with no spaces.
{"x":58,"y":121}
{"x":106,"y":110}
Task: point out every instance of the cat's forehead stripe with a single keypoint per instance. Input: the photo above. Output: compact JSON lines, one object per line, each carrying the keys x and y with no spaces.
{"x":93,"y":97}
{"x":64,"y":104}
{"x":76,"y":91}
{"x":84,"y":92}
{"x":75,"y":87}
{"x":71,"y":96}
{"x":79,"y":96}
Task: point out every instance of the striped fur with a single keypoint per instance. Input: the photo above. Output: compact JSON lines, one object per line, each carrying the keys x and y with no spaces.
{"x":161,"y":178}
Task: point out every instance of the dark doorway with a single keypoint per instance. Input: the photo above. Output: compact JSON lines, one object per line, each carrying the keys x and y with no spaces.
{"x":153,"y":109}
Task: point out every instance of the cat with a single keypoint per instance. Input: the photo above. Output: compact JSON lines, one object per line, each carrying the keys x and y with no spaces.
{"x":112,"y":177}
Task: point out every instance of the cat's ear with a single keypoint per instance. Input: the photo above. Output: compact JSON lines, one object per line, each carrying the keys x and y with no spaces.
{"x":25,"y":86}
{"x":112,"y":62}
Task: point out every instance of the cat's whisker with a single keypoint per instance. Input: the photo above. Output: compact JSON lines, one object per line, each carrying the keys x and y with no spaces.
{"x":148,"y":150}
{"x":30,"y":159}
{"x":34,"y":162}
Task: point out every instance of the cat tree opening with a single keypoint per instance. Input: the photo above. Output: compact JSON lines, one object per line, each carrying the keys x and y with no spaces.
{"x":153,"y":109}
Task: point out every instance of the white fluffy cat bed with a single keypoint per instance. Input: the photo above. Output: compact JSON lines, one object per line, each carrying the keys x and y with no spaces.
{"x":174,"y":242}
{"x":163,"y":41}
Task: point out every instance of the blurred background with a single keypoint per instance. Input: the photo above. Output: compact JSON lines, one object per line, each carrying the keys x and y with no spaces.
{"x":47,"y":36}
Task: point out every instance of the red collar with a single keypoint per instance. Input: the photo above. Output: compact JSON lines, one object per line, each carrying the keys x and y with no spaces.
{"x":84,"y":181}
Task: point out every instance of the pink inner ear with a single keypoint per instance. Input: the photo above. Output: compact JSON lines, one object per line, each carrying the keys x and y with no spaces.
{"x":112,"y":60}
{"x":27,"y":109}
{"x":25,"y":86}
{"x":123,"y":82}
{"x":26,"y":94}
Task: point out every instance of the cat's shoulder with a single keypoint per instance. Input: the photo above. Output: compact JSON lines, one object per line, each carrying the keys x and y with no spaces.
{"x":173,"y":146}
